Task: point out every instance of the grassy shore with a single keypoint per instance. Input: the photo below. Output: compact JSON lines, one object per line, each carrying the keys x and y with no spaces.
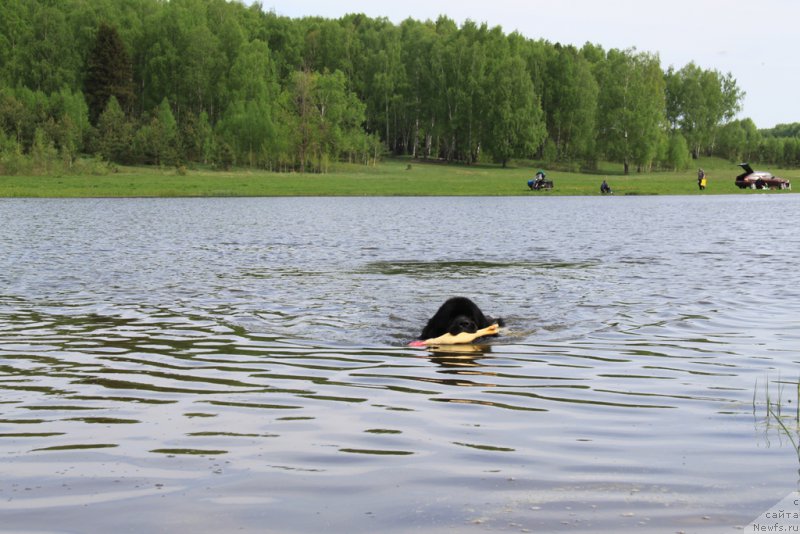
{"x":394,"y":177}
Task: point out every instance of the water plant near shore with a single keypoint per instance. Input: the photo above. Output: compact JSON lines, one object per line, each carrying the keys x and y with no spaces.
{"x":780,"y":414}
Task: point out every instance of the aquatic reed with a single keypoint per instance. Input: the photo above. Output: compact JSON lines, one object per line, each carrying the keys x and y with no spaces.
{"x":789,"y":424}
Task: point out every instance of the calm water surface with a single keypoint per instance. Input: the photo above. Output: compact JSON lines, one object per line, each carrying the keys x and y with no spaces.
{"x":209,"y":365}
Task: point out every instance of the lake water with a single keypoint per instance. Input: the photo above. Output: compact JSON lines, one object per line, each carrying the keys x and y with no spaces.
{"x":216,"y":365}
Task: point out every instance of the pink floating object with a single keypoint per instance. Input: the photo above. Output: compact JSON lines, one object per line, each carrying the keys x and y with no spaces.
{"x":417,"y":343}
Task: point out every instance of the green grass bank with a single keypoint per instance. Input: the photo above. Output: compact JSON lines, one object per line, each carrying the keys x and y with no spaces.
{"x":394,"y":177}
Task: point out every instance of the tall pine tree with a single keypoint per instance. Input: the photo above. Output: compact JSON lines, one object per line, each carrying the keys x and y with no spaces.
{"x":108,"y":73}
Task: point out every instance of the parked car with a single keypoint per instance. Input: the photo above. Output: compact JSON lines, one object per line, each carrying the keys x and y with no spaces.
{"x":760,"y":179}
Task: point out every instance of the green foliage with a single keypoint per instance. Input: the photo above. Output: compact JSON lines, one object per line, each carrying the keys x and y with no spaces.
{"x":778,"y":146}
{"x":198,"y":138}
{"x":678,"y":156}
{"x":550,"y":152}
{"x":51,"y":59}
{"x":784,"y":130}
{"x":43,"y":152}
{"x":13,"y":114}
{"x":248,"y":126}
{"x":570,"y":99}
{"x":69,"y":123}
{"x":114,"y":133}
{"x":158,"y":141}
{"x":731,"y":141}
{"x":212,"y":81}
{"x":109,"y":73}
{"x":224,"y":157}
{"x":12,"y":161}
{"x":323,"y":119}
{"x":61,"y":117}
{"x":698,"y":102}
{"x":631,"y":107}
{"x":248,"y":129}
{"x":515,"y":123}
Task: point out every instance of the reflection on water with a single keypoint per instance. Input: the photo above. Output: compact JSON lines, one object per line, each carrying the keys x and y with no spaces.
{"x":242,"y":364}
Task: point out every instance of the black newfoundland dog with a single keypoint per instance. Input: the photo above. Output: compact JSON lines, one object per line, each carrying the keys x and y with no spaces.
{"x":457,"y":315}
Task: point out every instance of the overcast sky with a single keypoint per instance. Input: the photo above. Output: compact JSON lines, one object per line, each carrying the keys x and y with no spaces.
{"x":758,"y":41}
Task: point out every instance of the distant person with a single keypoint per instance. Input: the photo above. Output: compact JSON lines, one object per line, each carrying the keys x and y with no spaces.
{"x":605,"y":189}
{"x":702,"y":181}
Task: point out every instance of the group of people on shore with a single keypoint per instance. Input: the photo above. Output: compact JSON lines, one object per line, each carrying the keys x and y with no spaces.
{"x":538,"y":181}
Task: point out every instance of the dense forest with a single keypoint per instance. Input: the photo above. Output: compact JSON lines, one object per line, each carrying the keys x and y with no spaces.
{"x":184,"y":82}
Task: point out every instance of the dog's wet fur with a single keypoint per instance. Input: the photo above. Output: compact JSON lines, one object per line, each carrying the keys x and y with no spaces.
{"x":456,"y":315}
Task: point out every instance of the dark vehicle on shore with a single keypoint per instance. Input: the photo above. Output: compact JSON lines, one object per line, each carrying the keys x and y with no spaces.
{"x":539,"y":182}
{"x":760,"y":179}
{"x":541,"y":185}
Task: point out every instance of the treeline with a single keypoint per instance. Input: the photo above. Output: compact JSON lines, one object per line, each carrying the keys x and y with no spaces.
{"x":741,"y":141}
{"x":209,"y":81}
